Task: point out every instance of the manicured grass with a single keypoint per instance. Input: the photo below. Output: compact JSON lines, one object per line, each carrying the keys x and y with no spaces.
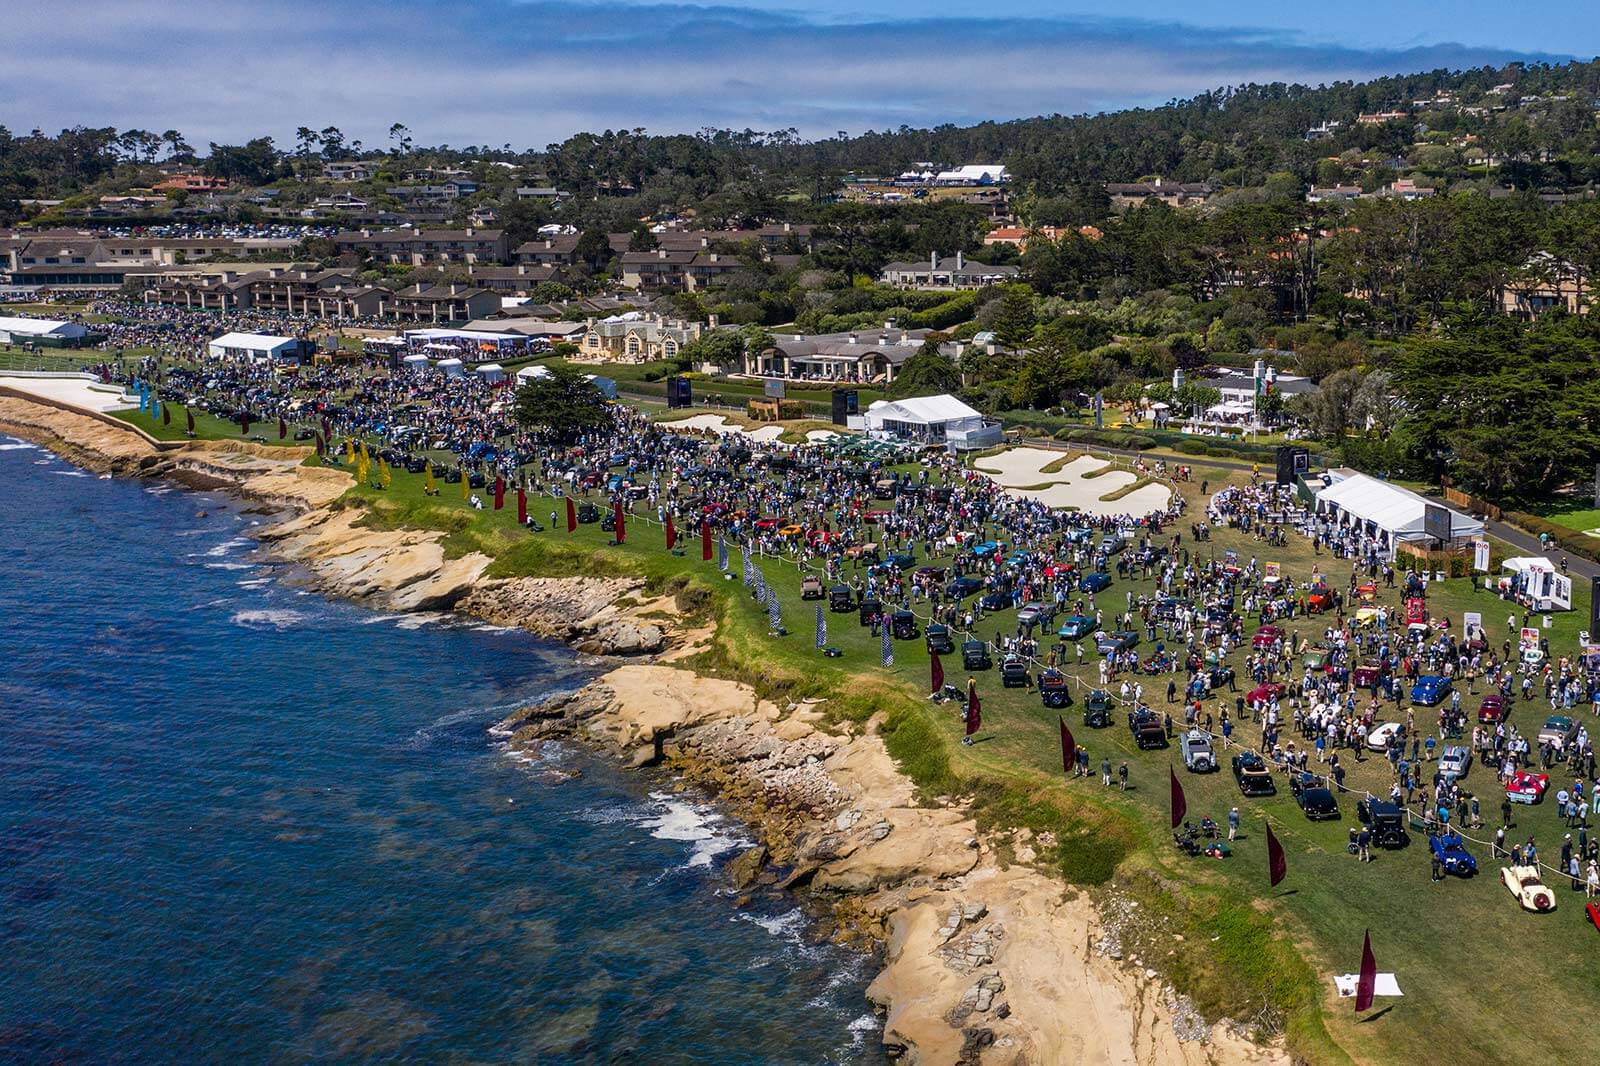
{"x":207,"y":427}
{"x":1458,"y":948}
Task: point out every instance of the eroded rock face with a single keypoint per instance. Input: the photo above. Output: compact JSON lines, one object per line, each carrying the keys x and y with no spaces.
{"x":597,"y":615}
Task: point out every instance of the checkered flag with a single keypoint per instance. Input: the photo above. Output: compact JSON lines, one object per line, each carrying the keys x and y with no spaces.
{"x":722,"y":554}
{"x":749,"y":570}
{"x":888,"y":646}
{"x":773,"y":617}
{"x":822,"y":629}
{"x":760,"y":586}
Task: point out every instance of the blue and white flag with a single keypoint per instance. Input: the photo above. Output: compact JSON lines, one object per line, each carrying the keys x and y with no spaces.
{"x":774,"y":618}
{"x":760,"y":586}
{"x":749,"y":571}
{"x":722,"y":554}
{"x":822,"y":628}
{"x":888,"y":646}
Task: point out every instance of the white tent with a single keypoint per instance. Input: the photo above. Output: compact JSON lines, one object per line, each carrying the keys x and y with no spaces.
{"x":1387,"y":512}
{"x":54,"y":328}
{"x":451,"y":367}
{"x":491,"y":372}
{"x":415,"y":361}
{"x":529,"y":373}
{"x":932,"y":419}
{"x":1535,"y":577}
{"x":254,"y":346}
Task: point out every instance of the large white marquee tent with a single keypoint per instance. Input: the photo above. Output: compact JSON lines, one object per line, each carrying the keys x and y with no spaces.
{"x":1388,"y":513}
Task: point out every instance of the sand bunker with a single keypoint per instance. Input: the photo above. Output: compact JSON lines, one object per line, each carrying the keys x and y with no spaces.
{"x":1020,"y":471}
{"x":719,"y":424}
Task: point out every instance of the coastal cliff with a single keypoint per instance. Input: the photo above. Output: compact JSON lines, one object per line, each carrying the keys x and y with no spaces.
{"x":987,"y":959}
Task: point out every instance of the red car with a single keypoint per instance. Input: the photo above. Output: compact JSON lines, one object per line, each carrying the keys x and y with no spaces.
{"x":1526,"y":787}
{"x":1493,"y":709}
{"x":1265,"y":693}
{"x":766,"y":525}
{"x":872,"y":518}
{"x":1366,"y":675}
{"x":1319,"y":600}
{"x":1266,"y":637}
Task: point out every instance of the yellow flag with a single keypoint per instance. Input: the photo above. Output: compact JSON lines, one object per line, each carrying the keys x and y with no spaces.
{"x":466,"y":490}
{"x":366,"y":456}
{"x":427,"y":479}
{"x":384,"y":473}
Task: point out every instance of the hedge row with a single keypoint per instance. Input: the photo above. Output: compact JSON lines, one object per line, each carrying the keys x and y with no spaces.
{"x":1571,"y":541}
{"x":1106,"y":439}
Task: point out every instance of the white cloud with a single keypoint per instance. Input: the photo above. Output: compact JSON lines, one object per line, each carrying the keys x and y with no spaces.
{"x":496,"y":71}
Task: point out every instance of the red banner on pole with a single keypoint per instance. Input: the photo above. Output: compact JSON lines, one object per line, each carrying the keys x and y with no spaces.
{"x":672,"y":534}
{"x":572,"y":515}
{"x":1277,"y":861}
{"x":705,"y":540}
{"x":937,"y":670}
{"x":522,"y":506}
{"x":1180,"y":806}
{"x":499,"y":493}
{"x":1069,"y":747}
{"x":1366,"y":986}
{"x":616,"y":514}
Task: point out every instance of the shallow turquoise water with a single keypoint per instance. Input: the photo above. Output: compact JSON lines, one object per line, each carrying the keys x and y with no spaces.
{"x":239,"y":822}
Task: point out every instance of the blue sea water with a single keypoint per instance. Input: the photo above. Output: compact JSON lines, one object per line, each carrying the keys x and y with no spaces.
{"x":242,"y":823}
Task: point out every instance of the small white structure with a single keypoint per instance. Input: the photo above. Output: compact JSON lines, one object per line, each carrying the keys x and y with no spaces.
{"x":254,"y":346}
{"x":491,"y":372}
{"x":50,"y":330}
{"x":931,"y":420}
{"x":532,"y":373}
{"x":607,"y":387}
{"x":1536,"y":580}
{"x":415,"y":361}
{"x":452,"y":368}
{"x":1386,"y":512}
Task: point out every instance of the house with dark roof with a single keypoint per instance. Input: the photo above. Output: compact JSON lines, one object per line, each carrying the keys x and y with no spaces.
{"x":949,"y":272}
{"x":420,"y":247}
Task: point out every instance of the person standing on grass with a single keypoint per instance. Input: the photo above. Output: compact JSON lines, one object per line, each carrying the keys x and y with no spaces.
{"x":1233,"y":823}
{"x":1105,"y":772}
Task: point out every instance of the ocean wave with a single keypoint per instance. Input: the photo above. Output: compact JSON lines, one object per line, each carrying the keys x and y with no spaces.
{"x":12,"y":444}
{"x":420,"y":619}
{"x":70,"y":473}
{"x":254,"y":583}
{"x":230,"y":566}
{"x":700,"y":825}
{"x":864,"y":1026}
{"x":268,"y":619}
{"x":374,"y":619}
{"x":227,"y":546}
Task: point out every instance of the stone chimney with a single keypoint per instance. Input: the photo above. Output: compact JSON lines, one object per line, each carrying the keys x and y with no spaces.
{"x":712,"y":321}
{"x":470,"y":231}
{"x":661,"y":253}
{"x":933,"y":261}
{"x":961,"y":260}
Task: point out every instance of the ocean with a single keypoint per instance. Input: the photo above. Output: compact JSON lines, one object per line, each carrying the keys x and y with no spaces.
{"x":240,"y":822}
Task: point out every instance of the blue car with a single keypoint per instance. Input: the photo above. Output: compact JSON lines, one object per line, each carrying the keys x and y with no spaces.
{"x":1095,"y":582}
{"x":985,"y":549}
{"x":1077,"y":626}
{"x":1452,"y":853}
{"x":1430,"y":690}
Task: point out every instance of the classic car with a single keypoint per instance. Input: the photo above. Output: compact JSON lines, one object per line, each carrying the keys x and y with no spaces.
{"x":1252,"y":775}
{"x":1106,"y":643}
{"x":1198,"y":755}
{"x":1367,"y":675}
{"x":1147,"y":730}
{"x":1077,"y":626}
{"x":1531,"y":892}
{"x":997,"y":600}
{"x":587,"y":513}
{"x":1319,"y":599}
{"x":975,"y":656}
{"x":869,"y":608}
{"x":960,"y":588}
{"x":1036,"y":613}
{"x":1314,"y":798}
{"x":1380,"y":736}
{"x":1452,"y":853}
{"x":1094,"y":582}
{"x":1454,"y":762}
{"x":811,"y":587}
{"x":983,"y":549}
{"x":841,"y":600}
{"x":1430,"y":690}
{"x":1267,"y":636}
{"x":1112,"y":543}
{"x":1317,"y":657}
{"x":1386,"y":821}
{"x":1097,"y":709}
{"x":1014,"y":673}
{"x":1558,"y":731}
{"x":903,"y":625}
{"x":939,"y":640}
{"x":1054,"y":689}
{"x":767,"y":524}
{"x":900,"y":560}
{"x":1493,"y":709}
{"x":1526,"y":786}
{"x":1265,"y":692}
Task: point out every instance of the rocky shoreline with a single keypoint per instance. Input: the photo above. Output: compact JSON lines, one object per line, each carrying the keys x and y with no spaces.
{"x":985,"y":960}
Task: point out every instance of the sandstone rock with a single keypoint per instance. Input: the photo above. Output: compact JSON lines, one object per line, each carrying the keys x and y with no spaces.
{"x":744,"y":869}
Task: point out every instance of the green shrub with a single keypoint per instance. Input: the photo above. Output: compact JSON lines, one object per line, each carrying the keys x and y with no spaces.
{"x":1568,"y":540}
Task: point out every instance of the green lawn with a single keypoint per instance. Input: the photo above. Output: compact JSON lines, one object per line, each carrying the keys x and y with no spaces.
{"x":1457,"y":947}
{"x":207,"y":427}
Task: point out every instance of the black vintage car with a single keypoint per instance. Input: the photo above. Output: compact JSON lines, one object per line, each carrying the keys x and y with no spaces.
{"x":588,"y":513}
{"x":609,"y":523}
{"x":452,"y":474}
{"x":962,"y":587}
{"x":1097,"y":709}
{"x":841,"y":600}
{"x":903,"y":625}
{"x":1014,"y":673}
{"x":1314,"y":798}
{"x":415,"y":464}
{"x":1387,"y":822}
{"x":939,"y":640}
{"x":1147,"y":730}
{"x":1054,"y":689}
{"x":871,"y":608}
{"x":476,"y":479}
{"x":1252,"y":775}
{"x":975,"y":656}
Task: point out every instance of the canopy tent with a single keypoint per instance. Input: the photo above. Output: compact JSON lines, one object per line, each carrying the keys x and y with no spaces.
{"x":36,"y":328}
{"x":451,"y":367}
{"x":931,"y":419}
{"x":414,"y":361}
{"x":491,"y":372}
{"x":1534,"y":578}
{"x":529,"y":373}
{"x":1386,"y":512}
{"x":254,"y":346}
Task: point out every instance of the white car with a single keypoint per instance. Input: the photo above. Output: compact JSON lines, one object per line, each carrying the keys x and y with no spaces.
{"x":1378,"y":739}
{"x":1531,"y":892}
{"x":1455,"y":762}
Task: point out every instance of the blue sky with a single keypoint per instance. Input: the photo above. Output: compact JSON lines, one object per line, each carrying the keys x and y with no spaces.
{"x":527,"y":72}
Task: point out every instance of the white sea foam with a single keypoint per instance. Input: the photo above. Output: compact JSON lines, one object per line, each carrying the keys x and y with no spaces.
{"x":374,"y":619}
{"x":863,"y":1027}
{"x":254,"y":583}
{"x":226,"y":547}
{"x":420,"y":619}
{"x":677,"y":819}
{"x":268,"y":619}
{"x":70,"y":473}
{"x":230,"y":566}
{"x":13,"y":445}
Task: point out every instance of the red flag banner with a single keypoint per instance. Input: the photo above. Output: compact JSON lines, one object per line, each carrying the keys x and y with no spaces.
{"x":322,"y":446}
{"x":974,"y":711}
{"x":244,"y":425}
{"x":705,"y":540}
{"x":1277,"y":861}
{"x":499,"y":493}
{"x":937,"y":670}
{"x":1180,"y":806}
{"x":190,"y":416}
{"x":283,"y":428}
{"x":672,"y":534}
{"x":522,"y":506}
{"x":166,"y":414}
{"x":1368,"y":981}
{"x":1069,"y":747}
{"x":572,"y":516}
{"x":616,"y":513}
